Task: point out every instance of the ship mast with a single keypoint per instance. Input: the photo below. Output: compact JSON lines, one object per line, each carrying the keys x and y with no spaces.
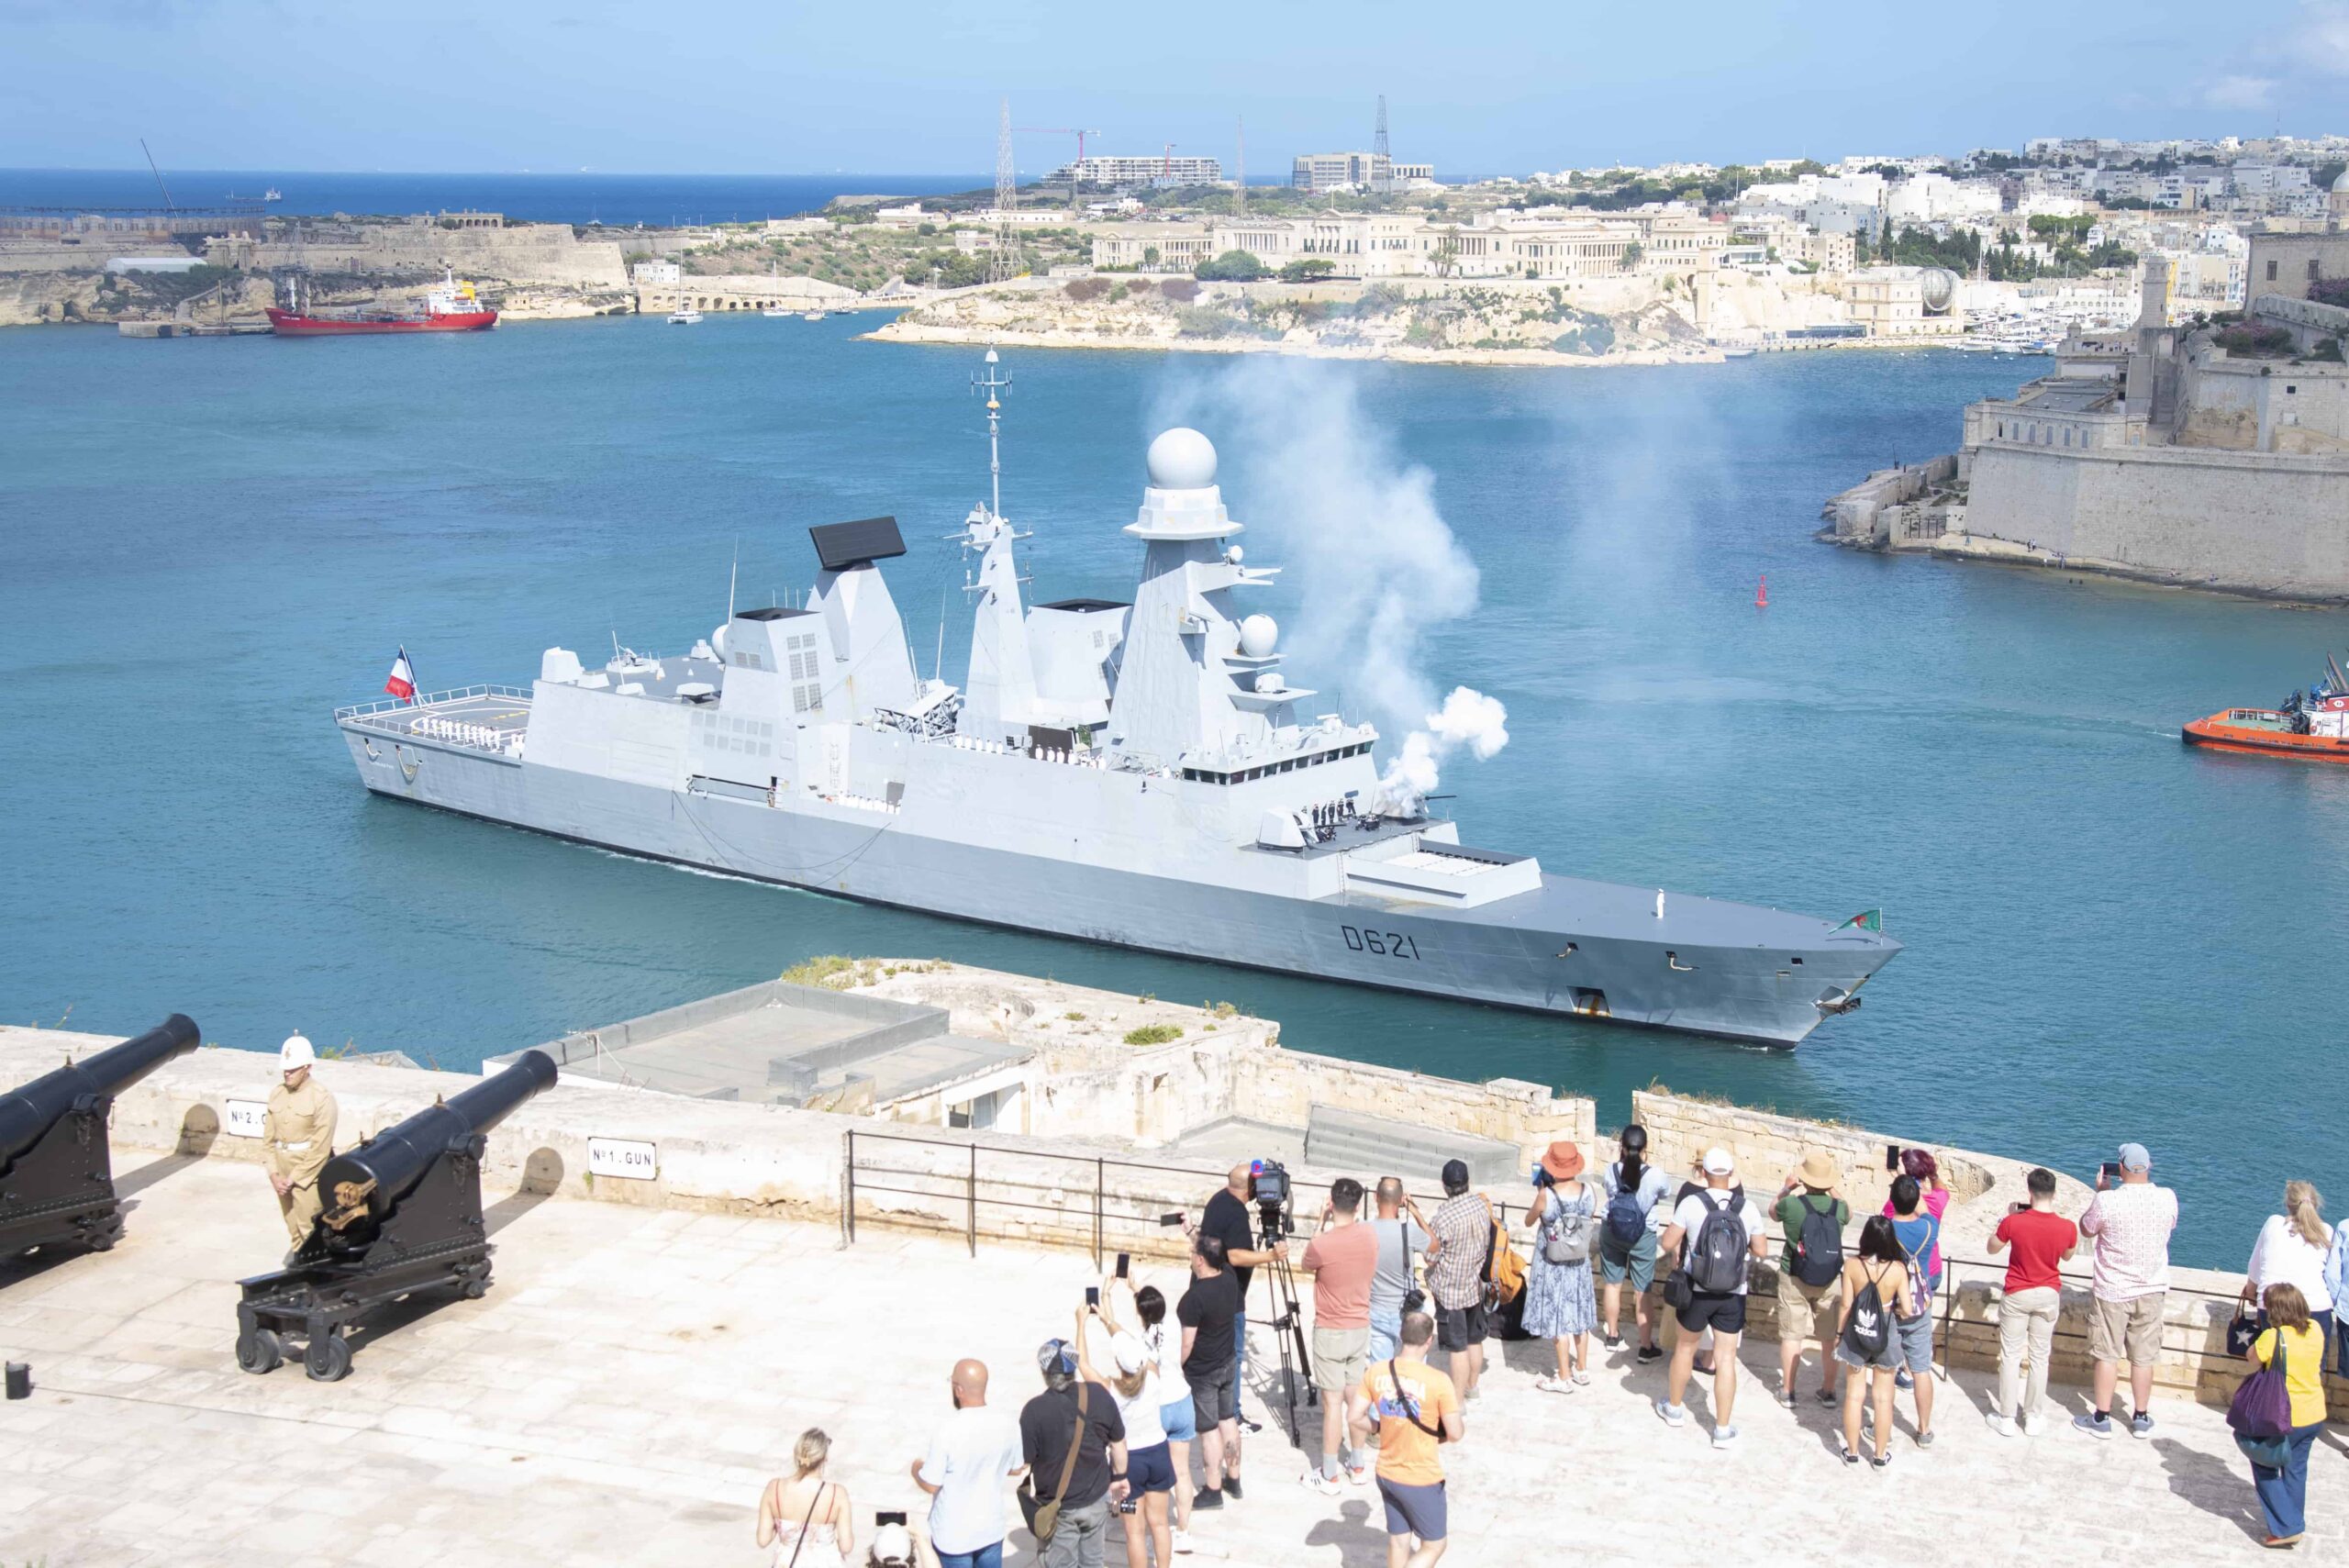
{"x":992,"y":383}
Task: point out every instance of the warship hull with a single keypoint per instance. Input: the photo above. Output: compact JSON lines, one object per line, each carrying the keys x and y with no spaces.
{"x":1568,"y":947}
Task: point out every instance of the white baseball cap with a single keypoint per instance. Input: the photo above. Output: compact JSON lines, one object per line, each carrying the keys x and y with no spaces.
{"x":1717,"y":1162}
{"x":295,"y":1053}
{"x":1131,"y":1353}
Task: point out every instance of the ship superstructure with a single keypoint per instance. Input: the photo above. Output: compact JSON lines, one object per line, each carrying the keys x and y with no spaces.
{"x":1138,"y":773}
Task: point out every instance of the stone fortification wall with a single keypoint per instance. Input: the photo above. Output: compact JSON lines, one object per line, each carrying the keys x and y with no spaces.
{"x":2244,"y":521}
{"x":1862,"y":515}
{"x":529,"y":253}
{"x":1059,"y":1190}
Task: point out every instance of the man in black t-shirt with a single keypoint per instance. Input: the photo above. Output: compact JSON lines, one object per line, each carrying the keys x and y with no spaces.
{"x":1209,"y":1313}
{"x":1225,"y":1217}
{"x":1047,"y":1423}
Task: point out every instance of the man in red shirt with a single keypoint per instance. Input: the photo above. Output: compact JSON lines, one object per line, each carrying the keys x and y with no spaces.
{"x":2042,"y":1239}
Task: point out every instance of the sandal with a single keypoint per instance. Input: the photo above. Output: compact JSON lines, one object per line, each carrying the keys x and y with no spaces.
{"x":1548,"y":1385}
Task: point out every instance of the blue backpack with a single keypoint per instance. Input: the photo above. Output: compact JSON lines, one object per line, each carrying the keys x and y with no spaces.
{"x":1626,"y":1220}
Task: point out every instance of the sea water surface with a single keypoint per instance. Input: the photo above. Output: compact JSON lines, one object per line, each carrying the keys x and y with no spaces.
{"x":207,"y":545}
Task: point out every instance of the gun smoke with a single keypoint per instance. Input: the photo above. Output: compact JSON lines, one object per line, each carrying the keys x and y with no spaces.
{"x":1376,"y":568}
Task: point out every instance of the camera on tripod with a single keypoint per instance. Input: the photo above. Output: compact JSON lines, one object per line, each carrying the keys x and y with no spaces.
{"x":1268,"y":1184}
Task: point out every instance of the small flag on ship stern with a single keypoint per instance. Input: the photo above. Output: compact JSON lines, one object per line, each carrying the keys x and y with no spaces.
{"x":1866,"y":920}
{"x":401,"y":681}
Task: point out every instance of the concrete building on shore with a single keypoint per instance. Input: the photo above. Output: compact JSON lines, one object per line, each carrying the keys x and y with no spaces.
{"x":2209,"y":456}
{"x":1905,"y":302}
{"x":1544,"y":243}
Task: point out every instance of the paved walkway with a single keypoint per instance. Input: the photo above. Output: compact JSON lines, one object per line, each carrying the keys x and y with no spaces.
{"x":635,"y":1374}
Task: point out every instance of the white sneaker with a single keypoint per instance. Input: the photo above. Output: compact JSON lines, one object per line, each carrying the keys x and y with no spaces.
{"x":1581,"y":1377}
{"x":1326,"y":1485}
{"x":2004,"y":1426}
{"x":1671,"y":1414}
{"x":1724,"y":1437}
{"x":1553,"y":1385}
{"x":1182,"y":1540}
{"x":2033,"y":1426}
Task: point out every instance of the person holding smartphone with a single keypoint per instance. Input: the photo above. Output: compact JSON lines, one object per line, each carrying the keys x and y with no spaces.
{"x":1149,"y":1466}
{"x":2131,"y":1220}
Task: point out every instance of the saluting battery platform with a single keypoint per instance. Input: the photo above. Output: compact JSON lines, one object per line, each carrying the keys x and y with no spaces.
{"x":1138,"y":773}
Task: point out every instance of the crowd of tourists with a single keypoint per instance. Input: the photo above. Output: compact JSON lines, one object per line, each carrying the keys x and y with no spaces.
{"x":1140,"y":1383}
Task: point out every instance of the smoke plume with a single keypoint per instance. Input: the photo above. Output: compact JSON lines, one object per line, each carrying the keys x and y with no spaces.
{"x":1373,"y":567}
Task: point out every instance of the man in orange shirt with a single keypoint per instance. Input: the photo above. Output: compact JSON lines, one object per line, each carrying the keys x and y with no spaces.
{"x":1415,"y":1409}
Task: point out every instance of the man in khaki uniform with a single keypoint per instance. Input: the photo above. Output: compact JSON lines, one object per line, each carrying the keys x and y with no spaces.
{"x":297,"y":1137}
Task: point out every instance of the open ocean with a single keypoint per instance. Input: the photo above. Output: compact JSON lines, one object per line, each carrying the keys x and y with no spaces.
{"x":618,"y":200}
{"x":207,"y":545}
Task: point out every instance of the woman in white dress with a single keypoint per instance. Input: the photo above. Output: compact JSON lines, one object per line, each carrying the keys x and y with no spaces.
{"x":807,"y":1519}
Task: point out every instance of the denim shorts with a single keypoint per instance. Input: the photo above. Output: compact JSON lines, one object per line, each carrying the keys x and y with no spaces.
{"x":1215,"y":1397}
{"x":1181,"y":1419}
{"x":1916,"y":1337}
{"x":1385,"y":1336}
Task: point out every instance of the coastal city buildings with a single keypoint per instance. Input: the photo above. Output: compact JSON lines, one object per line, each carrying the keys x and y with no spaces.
{"x":1122,"y":171}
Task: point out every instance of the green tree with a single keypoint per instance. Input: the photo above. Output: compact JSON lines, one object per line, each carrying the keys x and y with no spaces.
{"x":1304,"y":270}
{"x":1232,"y":267}
{"x":1631,"y":254}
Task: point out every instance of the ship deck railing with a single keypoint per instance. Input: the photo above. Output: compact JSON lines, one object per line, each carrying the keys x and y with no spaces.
{"x":361,"y":712}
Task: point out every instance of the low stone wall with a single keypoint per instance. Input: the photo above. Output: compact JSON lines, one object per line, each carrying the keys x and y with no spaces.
{"x":1282,"y":1087}
{"x":728,"y":1157}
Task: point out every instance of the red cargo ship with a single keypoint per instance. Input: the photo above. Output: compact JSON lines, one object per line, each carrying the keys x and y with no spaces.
{"x":452,"y":307}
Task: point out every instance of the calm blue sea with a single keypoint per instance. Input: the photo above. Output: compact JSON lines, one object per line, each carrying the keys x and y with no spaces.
{"x":614,"y":199}
{"x":207,"y":545}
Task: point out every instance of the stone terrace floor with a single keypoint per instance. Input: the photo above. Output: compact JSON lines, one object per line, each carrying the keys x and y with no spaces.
{"x":634,"y":1374}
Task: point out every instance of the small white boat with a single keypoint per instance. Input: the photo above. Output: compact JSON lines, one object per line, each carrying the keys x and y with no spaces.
{"x":813,"y":315}
{"x":778,"y":315}
{"x":684,"y":316}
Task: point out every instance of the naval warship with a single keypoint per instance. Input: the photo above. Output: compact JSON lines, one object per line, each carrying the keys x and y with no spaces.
{"x":1135,"y":774}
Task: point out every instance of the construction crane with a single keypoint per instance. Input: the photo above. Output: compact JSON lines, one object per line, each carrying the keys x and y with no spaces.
{"x":1167,"y":171}
{"x":1062,"y":130}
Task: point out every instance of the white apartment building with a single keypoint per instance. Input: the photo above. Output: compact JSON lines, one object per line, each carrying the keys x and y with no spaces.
{"x":1340,"y":170}
{"x":1111,"y":168}
{"x":1508,"y":243}
{"x":655,"y":274}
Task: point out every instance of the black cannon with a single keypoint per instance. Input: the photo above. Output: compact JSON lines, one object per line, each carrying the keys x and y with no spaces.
{"x":403,"y":1215}
{"x":56,"y":1169}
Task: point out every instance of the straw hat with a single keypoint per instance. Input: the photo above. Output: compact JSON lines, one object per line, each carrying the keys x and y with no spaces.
{"x":1562,"y":1161}
{"x":1817,"y":1170}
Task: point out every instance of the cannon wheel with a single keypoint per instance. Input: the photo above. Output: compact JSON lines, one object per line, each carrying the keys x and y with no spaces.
{"x":329,"y":1358}
{"x":262,"y":1352}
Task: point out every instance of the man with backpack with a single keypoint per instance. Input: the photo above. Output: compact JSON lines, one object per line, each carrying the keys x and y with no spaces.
{"x":1812,"y":1213}
{"x":1715,"y":1234}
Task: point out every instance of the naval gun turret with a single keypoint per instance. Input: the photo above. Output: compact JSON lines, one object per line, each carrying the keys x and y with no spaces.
{"x":56,"y":1167}
{"x":403,"y":1215}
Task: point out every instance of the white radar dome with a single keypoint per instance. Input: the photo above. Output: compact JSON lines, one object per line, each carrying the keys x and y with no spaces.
{"x":1257,"y":635}
{"x":1182,"y":459}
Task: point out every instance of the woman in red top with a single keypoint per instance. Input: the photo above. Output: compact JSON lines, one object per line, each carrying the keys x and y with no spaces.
{"x":2042,"y":1239}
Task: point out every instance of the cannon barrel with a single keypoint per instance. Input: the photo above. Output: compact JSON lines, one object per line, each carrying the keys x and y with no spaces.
{"x":394,"y":1159}
{"x":28,"y":1112}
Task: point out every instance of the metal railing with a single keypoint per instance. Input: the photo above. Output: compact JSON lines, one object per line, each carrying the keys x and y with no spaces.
{"x":455,"y":694}
{"x":1093,"y":1204}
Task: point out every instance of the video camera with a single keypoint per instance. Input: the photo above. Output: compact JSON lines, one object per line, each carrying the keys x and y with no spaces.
{"x":1268,"y":1185}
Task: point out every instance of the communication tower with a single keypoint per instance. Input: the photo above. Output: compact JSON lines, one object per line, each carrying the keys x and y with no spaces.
{"x":1005,"y":262}
{"x":1382,"y":161}
{"x":1239,"y":184}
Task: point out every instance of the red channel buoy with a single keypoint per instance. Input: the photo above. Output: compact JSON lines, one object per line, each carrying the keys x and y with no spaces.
{"x":1761,"y":594}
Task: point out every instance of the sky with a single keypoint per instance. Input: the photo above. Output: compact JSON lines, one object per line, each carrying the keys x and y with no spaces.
{"x":912,"y":86}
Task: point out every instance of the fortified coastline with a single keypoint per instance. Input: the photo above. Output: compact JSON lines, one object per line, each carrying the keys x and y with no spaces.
{"x":2202,"y":457}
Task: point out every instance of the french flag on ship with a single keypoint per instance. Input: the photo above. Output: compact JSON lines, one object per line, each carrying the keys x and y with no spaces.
{"x":401,"y":681}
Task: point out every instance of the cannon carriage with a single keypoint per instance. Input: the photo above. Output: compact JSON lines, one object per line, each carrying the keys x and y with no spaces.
{"x":402,"y":1215}
{"x":56,"y":1165}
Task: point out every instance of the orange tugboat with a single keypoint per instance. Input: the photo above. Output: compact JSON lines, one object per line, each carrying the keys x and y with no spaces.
{"x":2313,"y":725}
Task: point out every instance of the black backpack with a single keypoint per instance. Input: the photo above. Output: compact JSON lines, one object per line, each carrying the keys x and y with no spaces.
{"x":1716,"y":1263}
{"x":1867,"y":1332}
{"x":1819,"y":1245}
